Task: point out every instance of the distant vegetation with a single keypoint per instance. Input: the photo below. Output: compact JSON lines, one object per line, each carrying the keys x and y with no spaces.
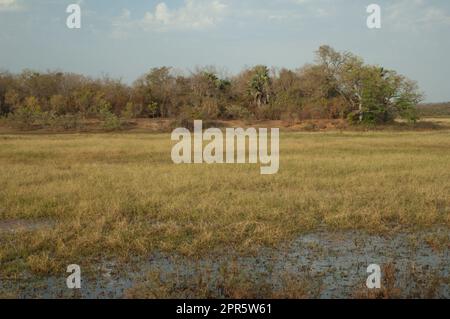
{"x":337,"y":86}
{"x":434,"y":110}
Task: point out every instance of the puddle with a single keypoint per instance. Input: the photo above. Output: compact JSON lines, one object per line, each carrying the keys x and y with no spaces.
{"x":335,"y":262}
{"x":18,"y":225}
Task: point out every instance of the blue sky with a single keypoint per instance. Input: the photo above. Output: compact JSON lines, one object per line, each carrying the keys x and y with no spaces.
{"x":126,"y":38}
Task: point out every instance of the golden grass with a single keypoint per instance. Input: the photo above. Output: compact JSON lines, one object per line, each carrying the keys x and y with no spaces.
{"x":120,"y":196}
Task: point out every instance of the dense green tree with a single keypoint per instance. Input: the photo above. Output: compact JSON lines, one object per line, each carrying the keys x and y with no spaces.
{"x":375,"y":95}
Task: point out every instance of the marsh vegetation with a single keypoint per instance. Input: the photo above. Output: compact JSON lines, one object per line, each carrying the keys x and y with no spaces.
{"x":90,"y":198}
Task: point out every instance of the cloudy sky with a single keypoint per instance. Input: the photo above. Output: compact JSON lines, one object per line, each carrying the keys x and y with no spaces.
{"x":125,"y":38}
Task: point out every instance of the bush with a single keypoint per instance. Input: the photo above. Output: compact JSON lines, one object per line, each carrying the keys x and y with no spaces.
{"x":269,"y":112}
{"x":236,"y":112}
{"x":310,"y":126}
{"x":131,"y":111}
{"x":111,"y":122}
{"x":209,"y":110}
{"x":25,"y":118}
{"x":64,"y":122}
{"x":186,"y":120}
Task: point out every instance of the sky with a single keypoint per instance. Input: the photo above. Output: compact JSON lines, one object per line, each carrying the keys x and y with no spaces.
{"x":126,"y":38}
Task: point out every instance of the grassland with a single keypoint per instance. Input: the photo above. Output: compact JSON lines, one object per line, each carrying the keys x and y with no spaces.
{"x":84,"y":198}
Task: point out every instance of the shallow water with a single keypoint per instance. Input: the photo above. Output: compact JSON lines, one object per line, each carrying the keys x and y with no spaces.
{"x":332,"y":264}
{"x":19,"y":225}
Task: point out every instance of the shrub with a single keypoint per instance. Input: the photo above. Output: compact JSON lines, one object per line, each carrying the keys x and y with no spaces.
{"x":269,"y":112}
{"x":64,"y":122}
{"x":131,"y":111}
{"x":58,"y":104}
{"x":153,"y":109}
{"x":25,"y":116}
{"x":209,"y":110}
{"x":310,"y":126}
{"x":235,"y":112}
{"x":112,"y":122}
{"x":186,"y":120}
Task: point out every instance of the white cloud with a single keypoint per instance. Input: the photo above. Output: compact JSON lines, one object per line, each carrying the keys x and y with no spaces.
{"x":317,"y":8}
{"x":414,"y":14}
{"x":192,"y":15}
{"x":435,"y":15}
{"x":121,"y":25}
{"x":9,"y":5}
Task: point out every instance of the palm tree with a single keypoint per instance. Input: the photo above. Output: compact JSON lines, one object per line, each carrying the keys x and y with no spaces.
{"x":259,"y":85}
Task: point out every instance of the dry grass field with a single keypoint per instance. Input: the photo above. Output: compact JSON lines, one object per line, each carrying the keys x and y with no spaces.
{"x":87,"y":198}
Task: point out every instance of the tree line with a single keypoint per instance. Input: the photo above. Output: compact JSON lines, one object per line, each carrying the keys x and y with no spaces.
{"x":434,"y":110}
{"x":338,"y":85}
